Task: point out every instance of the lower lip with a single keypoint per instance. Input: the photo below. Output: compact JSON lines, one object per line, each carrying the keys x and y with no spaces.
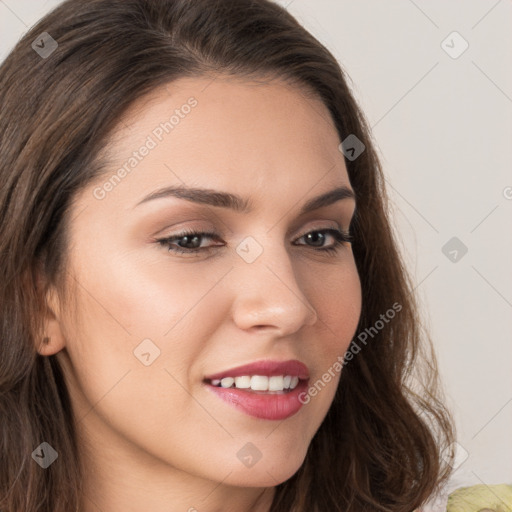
{"x":266,"y":406}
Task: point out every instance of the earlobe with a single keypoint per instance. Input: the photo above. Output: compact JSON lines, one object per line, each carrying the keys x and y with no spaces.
{"x":51,"y":343}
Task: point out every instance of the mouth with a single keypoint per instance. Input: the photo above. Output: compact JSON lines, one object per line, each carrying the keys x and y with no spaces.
{"x":266,"y":376}
{"x":269,"y":390}
{"x":259,"y":384}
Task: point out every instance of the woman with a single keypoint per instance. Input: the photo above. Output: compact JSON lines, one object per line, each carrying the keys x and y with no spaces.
{"x":203,"y":306}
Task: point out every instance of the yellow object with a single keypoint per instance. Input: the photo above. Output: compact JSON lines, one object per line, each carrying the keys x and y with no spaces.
{"x":481,"y":498}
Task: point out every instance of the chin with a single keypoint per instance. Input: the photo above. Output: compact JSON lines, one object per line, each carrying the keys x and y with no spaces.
{"x":266,"y":473}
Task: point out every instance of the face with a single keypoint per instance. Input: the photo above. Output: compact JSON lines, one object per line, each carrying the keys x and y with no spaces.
{"x":158,"y":311}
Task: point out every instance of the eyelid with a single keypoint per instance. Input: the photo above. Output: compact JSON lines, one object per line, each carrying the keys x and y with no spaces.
{"x":320,"y":225}
{"x":213,"y":232}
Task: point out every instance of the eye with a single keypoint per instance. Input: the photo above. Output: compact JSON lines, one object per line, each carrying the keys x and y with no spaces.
{"x":189,"y":242}
{"x":340,"y":237}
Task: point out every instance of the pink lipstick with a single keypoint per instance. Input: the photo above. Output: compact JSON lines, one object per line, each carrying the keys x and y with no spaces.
{"x":265,"y":389}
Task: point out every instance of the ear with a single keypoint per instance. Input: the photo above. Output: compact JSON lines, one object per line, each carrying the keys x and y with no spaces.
{"x":53,"y":339}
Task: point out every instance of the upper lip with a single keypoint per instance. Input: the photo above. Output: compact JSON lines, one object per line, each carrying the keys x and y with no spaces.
{"x":266,"y":367}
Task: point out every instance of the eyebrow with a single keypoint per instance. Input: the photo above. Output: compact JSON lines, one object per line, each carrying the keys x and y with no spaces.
{"x":239,"y":204}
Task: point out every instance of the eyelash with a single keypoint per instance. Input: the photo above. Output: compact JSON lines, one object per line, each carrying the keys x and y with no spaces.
{"x":339,"y":238}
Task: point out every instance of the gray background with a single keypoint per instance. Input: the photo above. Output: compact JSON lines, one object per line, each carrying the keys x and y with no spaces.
{"x":443,"y":129}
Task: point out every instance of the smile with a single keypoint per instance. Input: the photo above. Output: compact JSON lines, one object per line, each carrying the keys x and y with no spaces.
{"x":263,"y":383}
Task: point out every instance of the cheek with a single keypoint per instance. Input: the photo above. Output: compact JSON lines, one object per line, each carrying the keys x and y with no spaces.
{"x":163,"y":317}
{"x":336,"y":296}
{"x":135,"y":321}
{"x":144,"y":324}
{"x":133,"y":298}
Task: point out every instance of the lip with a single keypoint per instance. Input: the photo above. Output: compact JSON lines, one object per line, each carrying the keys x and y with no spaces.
{"x":267,"y":367}
{"x":266,"y":406}
{"x":260,"y":404}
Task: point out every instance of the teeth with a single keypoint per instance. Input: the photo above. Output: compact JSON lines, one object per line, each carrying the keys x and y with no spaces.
{"x":243,"y":382}
{"x":276,"y":383}
{"x":227,"y":382}
{"x":259,"y":382}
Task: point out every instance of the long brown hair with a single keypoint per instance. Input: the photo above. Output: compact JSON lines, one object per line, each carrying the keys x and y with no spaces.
{"x":381,"y":444}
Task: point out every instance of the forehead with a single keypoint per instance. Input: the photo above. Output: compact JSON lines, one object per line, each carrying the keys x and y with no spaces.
{"x":228,"y":133}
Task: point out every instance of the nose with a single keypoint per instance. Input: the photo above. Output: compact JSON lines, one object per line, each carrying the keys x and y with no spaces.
{"x":268,"y":294}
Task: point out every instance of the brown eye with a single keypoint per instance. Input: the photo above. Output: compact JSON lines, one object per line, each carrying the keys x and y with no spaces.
{"x":188,"y":242}
{"x":339,"y":238}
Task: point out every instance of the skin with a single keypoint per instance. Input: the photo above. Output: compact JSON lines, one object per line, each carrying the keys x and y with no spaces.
{"x":154,"y":438}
